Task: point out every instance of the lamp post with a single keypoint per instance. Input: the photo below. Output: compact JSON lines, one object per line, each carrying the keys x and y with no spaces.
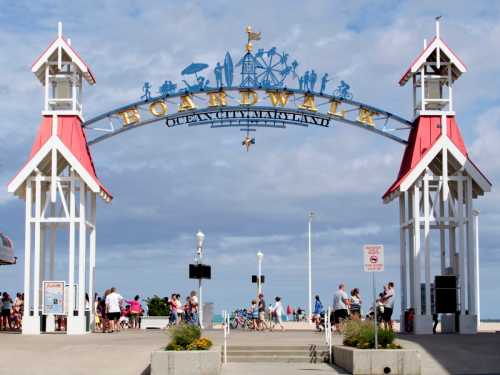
{"x":260,"y":255}
{"x":311,"y":215}
{"x":200,"y":238}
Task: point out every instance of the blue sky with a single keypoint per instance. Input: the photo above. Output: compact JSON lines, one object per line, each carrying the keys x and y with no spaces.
{"x":168,"y":183}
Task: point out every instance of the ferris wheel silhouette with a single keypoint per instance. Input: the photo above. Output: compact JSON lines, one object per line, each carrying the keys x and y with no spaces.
{"x":274,"y":67}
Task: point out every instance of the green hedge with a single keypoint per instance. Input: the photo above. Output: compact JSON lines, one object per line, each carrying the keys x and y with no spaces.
{"x":157,"y":306}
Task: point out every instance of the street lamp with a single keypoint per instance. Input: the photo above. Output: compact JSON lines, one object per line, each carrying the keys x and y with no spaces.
{"x":200,"y":238}
{"x":260,"y":255}
{"x":311,"y":215}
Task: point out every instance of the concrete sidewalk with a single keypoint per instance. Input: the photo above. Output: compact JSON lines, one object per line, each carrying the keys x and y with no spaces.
{"x":279,"y":369}
{"x":128,"y":353}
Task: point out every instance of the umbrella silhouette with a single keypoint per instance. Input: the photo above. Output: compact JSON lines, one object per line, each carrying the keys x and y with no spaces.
{"x":194,"y":68}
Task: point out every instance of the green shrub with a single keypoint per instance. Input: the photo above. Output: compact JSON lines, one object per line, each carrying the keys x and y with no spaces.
{"x":182,"y":336}
{"x":157,"y":306}
{"x":361,"y":334}
{"x":173,"y":346}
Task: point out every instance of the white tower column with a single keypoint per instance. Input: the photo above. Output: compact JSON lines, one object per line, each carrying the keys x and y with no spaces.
{"x":72,"y":323}
{"x":403,"y":261}
{"x":92,"y":240}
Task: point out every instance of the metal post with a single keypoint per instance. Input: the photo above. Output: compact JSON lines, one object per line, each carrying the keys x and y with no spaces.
{"x":311,"y":215}
{"x":259,"y":275}
{"x":375,"y":310}
{"x":200,"y":291}
{"x":200,"y":305}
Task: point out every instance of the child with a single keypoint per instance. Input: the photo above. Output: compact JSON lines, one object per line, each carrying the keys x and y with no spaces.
{"x":254,"y":310}
{"x":124,"y":317}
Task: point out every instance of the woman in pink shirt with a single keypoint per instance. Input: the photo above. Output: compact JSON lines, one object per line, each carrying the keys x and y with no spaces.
{"x":135,"y":311}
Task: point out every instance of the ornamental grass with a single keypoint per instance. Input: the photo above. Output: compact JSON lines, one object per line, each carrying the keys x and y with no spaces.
{"x":361,"y":334}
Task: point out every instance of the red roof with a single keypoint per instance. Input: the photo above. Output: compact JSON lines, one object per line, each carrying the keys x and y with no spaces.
{"x":422,"y":137}
{"x":70,"y":132}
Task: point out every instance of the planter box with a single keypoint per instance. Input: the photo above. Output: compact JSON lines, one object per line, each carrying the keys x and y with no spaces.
{"x":196,"y":362}
{"x":371,"y":361}
{"x":160,"y":322}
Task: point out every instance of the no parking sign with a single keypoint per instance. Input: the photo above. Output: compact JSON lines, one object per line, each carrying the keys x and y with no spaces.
{"x":373,"y":258}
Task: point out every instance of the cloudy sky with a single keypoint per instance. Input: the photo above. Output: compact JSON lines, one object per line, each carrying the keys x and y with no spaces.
{"x":168,"y":183}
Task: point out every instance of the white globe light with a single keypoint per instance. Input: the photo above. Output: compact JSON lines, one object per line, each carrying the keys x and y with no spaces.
{"x":200,"y":237}
{"x":260,"y":255}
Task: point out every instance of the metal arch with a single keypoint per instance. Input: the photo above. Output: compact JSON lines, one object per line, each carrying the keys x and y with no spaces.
{"x":297,"y":94}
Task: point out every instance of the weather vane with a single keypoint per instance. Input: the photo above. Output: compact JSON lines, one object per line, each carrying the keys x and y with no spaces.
{"x":252,"y":35}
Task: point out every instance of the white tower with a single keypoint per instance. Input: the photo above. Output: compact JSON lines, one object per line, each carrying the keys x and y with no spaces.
{"x":60,"y":186}
{"x":436,"y":186}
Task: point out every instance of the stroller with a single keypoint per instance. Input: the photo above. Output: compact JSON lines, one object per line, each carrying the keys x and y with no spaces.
{"x":320,"y":324}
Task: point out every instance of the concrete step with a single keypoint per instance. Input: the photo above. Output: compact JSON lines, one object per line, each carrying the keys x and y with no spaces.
{"x":279,"y":354}
{"x":278,"y":347}
{"x":267,"y":353}
{"x":276,"y":359}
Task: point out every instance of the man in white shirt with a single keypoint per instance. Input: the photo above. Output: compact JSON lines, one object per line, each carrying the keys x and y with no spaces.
{"x":340,"y":302}
{"x":113,"y":309}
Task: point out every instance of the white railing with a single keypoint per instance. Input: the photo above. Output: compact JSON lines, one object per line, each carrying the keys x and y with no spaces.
{"x":227,"y":327}
{"x":328,"y":333}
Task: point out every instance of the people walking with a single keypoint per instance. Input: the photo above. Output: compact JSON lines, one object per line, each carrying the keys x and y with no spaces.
{"x":134,"y":311}
{"x":261,"y":305}
{"x":113,"y":309}
{"x":173,"y":310}
{"x":318,"y":310}
{"x":194,"y":308}
{"x":254,"y":312}
{"x":388,"y":301}
{"x":340,"y":304}
{"x":277,"y":314}
{"x":6,"y":311}
{"x":355,"y":304}
{"x":17,"y":311}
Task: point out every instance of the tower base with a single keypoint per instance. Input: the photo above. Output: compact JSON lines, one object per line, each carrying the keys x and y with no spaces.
{"x":423,"y":325}
{"x":467,"y":324}
{"x":77,"y":325}
{"x":31,"y":325}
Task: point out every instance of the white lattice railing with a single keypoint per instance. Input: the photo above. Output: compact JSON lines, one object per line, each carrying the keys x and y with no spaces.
{"x":227,"y":327}
{"x":328,"y":333}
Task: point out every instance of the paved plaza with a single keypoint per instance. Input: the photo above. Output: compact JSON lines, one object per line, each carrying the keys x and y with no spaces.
{"x":128,"y":353}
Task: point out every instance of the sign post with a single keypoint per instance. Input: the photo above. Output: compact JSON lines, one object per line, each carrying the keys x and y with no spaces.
{"x":374,"y":262}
